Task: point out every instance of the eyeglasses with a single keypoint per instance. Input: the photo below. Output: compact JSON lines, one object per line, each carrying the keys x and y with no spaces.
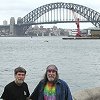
{"x":51,"y":70}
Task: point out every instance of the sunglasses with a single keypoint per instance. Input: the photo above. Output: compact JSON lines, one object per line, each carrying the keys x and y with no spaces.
{"x":51,"y":70}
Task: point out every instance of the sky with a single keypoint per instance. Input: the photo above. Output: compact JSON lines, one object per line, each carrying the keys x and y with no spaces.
{"x":20,"y":8}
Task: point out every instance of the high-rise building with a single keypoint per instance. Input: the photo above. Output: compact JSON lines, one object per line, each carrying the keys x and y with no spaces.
{"x":4,"y":22}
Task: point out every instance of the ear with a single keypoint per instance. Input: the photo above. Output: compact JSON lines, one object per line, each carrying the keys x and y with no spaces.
{"x":15,"y":75}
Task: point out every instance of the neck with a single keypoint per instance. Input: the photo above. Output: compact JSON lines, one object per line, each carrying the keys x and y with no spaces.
{"x":50,"y":83}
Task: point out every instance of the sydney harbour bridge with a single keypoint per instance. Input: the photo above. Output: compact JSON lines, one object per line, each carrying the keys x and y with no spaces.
{"x":52,"y":13}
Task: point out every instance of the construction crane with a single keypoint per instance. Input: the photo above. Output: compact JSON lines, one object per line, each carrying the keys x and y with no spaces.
{"x":77,"y":24}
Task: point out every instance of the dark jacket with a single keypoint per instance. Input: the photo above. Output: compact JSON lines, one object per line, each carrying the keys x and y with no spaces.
{"x":62,"y":91}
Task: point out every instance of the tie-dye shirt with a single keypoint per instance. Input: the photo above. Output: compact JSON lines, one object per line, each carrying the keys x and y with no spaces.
{"x":49,"y":92}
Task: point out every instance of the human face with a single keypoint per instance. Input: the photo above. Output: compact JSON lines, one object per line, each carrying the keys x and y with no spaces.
{"x":51,"y":75}
{"x":19,"y":78}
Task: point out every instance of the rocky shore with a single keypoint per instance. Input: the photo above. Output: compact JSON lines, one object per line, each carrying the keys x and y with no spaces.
{"x":87,"y":94}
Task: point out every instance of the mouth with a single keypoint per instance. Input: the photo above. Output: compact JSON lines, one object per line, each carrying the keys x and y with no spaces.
{"x":51,"y":78}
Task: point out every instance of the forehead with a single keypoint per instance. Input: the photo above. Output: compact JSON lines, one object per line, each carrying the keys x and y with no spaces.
{"x":51,"y":68}
{"x":20,"y":73}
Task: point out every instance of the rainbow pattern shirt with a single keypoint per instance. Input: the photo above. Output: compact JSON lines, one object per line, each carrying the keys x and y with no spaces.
{"x":49,"y":92}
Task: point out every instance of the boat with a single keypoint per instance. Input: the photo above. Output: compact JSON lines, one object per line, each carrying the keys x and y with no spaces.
{"x":78,"y":38}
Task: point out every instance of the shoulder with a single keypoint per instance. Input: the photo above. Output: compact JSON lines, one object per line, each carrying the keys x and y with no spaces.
{"x":24,"y":83}
{"x":10,"y":84}
{"x":42,"y":81}
{"x":41,"y":84}
{"x":64,"y":85}
{"x":62,"y":82}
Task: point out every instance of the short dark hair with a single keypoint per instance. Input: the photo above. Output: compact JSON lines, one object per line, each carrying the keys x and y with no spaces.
{"x":19,"y":69}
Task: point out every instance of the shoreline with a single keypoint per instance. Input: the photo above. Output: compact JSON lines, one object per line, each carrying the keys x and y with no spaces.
{"x":87,"y":94}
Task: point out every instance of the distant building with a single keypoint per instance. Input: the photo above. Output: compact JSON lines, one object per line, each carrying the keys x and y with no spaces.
{"x":73,"y":32}
{"x":4,"y":22}
{"x":94,"y":32}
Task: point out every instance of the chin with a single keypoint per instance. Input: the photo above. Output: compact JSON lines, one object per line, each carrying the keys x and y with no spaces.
{"x":51,"y":80}
{"x":20,"y":82}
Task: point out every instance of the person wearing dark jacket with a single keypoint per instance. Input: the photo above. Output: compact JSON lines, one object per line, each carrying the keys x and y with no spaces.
{"x":51,"y":87}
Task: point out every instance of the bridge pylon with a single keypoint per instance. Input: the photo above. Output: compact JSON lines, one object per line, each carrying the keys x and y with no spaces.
{"x":12,"y":26}
{"x":21,"y":29}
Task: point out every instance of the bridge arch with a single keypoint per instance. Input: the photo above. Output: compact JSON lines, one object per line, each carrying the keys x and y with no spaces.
{"x":88,"y":13}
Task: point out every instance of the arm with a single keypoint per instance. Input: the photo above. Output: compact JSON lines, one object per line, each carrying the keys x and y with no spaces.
{"x":38,"y":91}
{"x":4,"y":95}
{"x":28,"y":98}
{"x":68,"y":93}
{"x":34,"y":95}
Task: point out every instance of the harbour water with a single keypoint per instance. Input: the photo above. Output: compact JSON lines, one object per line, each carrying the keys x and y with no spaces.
{"x":78,"y":61}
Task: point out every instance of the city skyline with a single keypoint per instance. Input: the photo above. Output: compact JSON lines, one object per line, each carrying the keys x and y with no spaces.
{"x":19,"y":8}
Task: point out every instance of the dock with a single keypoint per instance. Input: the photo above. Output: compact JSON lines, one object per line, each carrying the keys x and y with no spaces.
{"x":79,"y":38}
